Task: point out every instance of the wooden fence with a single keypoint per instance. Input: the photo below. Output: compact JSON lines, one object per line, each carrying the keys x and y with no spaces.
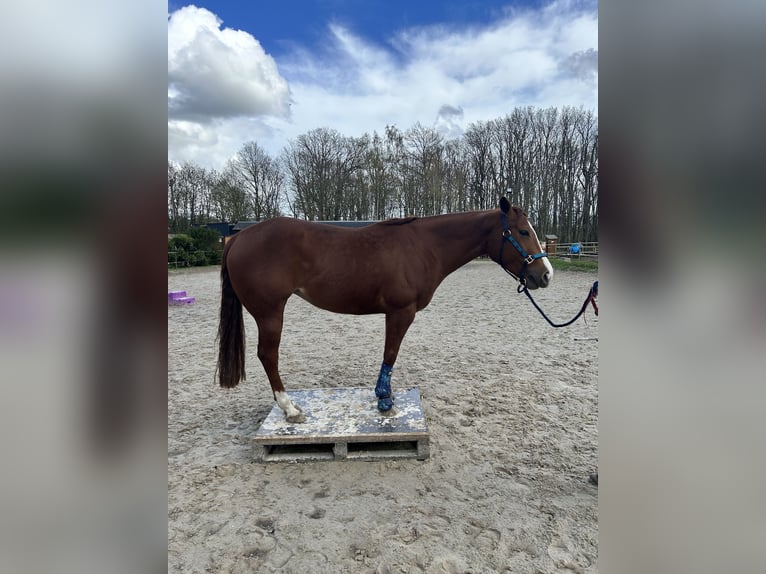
{"x":178,"y":258}
{"x":587,"y":250}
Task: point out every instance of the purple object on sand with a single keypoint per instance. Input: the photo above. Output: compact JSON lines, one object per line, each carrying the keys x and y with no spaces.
{"x":179,"y":298}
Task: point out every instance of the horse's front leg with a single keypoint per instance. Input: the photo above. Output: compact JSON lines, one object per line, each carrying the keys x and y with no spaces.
{"x":397,"y":323}
{"x":269,"y":336}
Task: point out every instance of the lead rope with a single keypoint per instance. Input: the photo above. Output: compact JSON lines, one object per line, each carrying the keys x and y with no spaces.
{"x":591,"y":298}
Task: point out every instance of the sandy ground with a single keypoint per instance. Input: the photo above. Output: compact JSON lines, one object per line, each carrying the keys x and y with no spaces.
{"x":512,"y":410}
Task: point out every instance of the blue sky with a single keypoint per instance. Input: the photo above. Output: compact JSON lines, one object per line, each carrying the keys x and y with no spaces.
{"x":270,"y":71}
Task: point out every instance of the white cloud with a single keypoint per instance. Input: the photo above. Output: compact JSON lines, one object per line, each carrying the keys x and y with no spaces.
{"x":216,"y":72}
{"x":448,"y":121}
{"x":213,"y":143}
{"x":539,"y":58}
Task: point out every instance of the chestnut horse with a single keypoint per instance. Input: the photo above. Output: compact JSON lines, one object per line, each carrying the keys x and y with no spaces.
{"x":392,"y":267}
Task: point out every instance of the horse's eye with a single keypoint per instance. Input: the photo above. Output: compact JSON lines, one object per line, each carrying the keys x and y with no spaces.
{"x":524,"y":232}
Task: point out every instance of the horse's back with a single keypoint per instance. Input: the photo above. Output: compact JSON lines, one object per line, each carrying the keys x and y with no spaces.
{"x":281,"y":253}
{"x":282,"y":237}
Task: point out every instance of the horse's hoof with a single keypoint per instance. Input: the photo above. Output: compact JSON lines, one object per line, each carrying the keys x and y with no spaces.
{"x":385,"y":405}
{"x":299,"y":418}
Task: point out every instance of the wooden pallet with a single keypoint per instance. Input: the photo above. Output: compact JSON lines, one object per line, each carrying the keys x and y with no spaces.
{"x":344,"y":424}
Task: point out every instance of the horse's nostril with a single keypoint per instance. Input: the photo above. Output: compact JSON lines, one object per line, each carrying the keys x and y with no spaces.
{"x":546,"y":278}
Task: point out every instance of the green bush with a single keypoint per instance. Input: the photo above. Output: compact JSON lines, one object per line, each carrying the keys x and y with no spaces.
{"x":202,"y":246}
{"x":214,"y":257}
{"x":180,"y":248}
{"x":205,"y":239}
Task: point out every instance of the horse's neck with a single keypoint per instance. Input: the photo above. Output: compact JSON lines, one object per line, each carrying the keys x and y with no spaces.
{"x":461,"y":238}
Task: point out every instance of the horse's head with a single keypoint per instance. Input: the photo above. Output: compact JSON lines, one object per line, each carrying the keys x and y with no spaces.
{"x":523,"y":257}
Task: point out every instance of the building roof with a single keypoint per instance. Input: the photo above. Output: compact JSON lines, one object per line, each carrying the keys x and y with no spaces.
{"x":223,"y":228}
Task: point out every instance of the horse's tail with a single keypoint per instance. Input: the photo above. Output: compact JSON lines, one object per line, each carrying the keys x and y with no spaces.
{"x":231,"y":332}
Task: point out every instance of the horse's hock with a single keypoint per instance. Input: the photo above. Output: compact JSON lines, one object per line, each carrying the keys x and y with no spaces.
{"x":344,"y":424}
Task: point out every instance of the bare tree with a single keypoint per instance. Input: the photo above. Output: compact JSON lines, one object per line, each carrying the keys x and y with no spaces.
{"x":188,"y":196}
{"x":587,"y":136}
{"x":397,"y":159}
{"x":174,"y":199}
{"x":545,"y":160}
{"x":478,"y":141}
{"x":323,"y":168}
{"x":455,"y":180}
{"x":546,"y":132}
{"x":230,"y":200}
{"x":261,"y":178}
{"x":424,"y":193}
{"x":378,"y":178}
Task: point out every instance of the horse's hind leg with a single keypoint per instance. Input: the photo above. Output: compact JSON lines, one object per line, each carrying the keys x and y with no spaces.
{"x":397,"y":323}
{"x":269,"y":336}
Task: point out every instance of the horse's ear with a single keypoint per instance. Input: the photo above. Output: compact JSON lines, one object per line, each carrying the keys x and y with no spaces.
{"x":505,"y":204}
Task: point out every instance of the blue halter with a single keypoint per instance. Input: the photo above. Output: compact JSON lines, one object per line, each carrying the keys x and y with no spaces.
{"x":528,"y":259}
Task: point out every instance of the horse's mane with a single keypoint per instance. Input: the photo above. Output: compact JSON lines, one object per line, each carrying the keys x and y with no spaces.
{"x":399,"y":221}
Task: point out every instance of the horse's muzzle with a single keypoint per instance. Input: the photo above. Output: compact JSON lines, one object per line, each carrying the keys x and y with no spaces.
{"x":534,"y":281}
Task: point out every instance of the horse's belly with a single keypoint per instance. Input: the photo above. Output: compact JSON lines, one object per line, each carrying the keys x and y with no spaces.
{"x":340,"y":301}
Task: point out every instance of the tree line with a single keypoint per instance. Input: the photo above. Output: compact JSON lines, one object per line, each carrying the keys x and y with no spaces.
{"x":545,"y":160}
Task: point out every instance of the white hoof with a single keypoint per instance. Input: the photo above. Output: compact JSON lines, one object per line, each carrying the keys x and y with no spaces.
{"x":293,"y":413}
{"x":296,"y":418}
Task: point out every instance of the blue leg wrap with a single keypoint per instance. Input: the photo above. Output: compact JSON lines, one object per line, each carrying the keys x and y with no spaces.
{"x":383,"y":388}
